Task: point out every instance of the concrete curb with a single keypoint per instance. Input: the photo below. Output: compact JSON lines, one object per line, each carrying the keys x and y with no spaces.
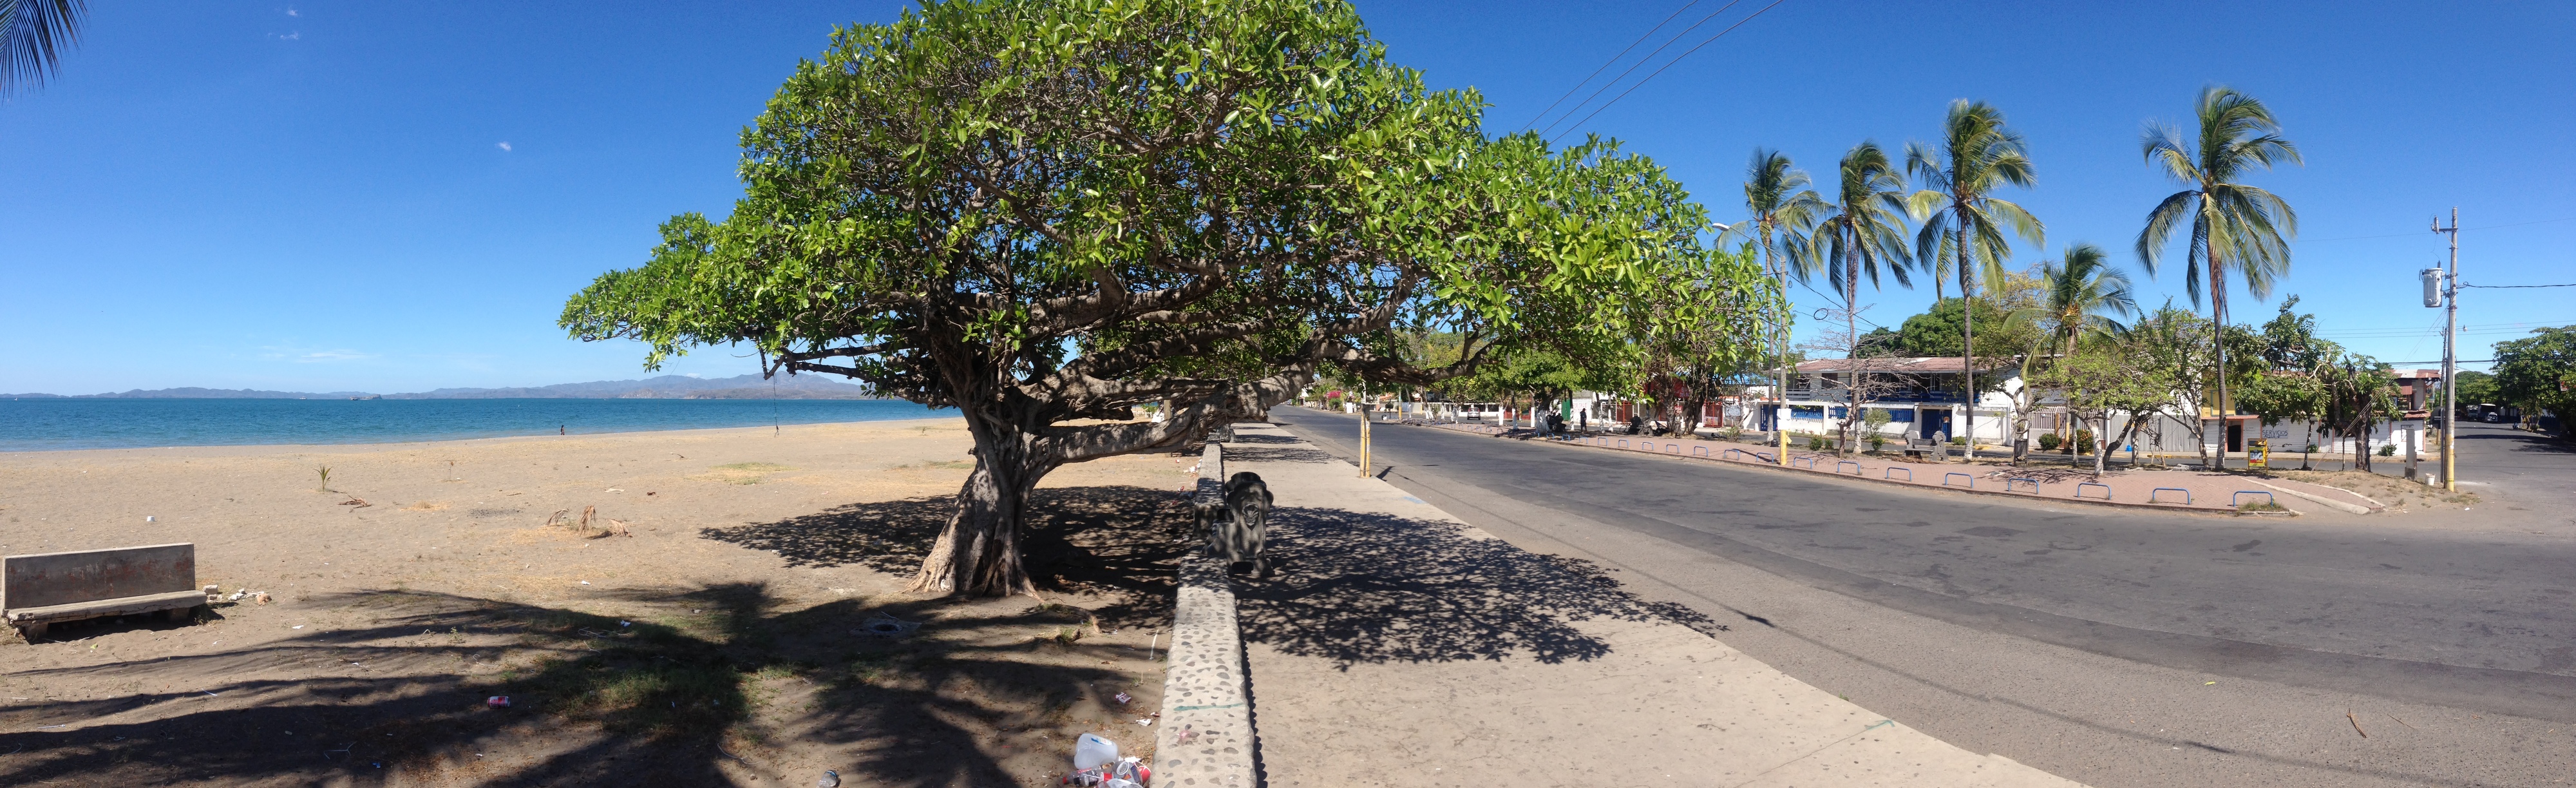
{"x":1207,"y":737}
{"x":2153,"y":507}
{"x":2328,"y":502}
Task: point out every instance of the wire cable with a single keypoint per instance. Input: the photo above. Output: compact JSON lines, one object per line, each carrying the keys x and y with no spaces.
{"x":1614,"y":60}
{"x":1667,"y":65}
{"x":2516,"y":287}
{"x":1641,"y":62}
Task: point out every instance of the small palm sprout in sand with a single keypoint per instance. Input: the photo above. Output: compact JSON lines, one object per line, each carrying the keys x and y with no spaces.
{"x":325,"y":472}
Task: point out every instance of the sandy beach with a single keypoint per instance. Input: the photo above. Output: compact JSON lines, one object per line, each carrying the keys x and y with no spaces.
{"x":724,"y":638}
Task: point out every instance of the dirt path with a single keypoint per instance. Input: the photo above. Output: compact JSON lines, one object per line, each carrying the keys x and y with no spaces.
{"x":727,"y":637}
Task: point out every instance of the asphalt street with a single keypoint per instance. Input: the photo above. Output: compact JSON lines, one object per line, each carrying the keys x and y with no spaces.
{"x":2111,"y":647}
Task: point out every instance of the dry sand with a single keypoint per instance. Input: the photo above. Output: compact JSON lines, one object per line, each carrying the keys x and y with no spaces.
{"x":723,"y":641}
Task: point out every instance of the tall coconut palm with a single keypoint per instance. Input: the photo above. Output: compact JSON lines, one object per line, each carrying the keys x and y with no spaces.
{"x":1864,"y":232}
{"x":2234,"y":227}
{"x":1780,"y":209}
{"x":32,"y":36}
{"x":1964,"y":222}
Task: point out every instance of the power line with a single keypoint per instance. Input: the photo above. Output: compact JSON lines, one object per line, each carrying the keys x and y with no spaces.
{"x":1641,"y":62}
{"x":1667,"y":65}
{"x":2515,"y":287}
{"x":1614,"y":60}
{"x":2411,"y":235}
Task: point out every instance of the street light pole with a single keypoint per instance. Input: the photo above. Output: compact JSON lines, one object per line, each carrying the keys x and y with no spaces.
{"x":2451,"y":355}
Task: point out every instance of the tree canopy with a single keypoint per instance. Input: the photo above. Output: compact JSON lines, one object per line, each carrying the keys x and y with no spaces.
{"x":2536,"y":372}
{"x":1046,"y":212}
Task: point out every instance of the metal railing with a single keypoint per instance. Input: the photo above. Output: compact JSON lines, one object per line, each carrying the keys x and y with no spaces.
{"x":1972,"y":480}
{"x":2234,"y":500}
{"x":1909,"y":473}
{"x":2186,"y":494}
{"x":2034,"y":483}
{"x":1838,"y":466}
{"x":2079,"y":489}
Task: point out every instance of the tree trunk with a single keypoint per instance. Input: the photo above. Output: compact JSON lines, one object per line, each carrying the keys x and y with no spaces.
{"x":2101,"y":447}
{"x":978,"y":553}
{"x":1967,"y":347}
{"x":2218,"y":343}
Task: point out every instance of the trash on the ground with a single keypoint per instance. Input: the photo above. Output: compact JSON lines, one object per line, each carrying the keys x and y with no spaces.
{"x":1145,"y":721}
{"x":1123,"y":699}
{"x":831,"y":779}
{"x":1091,"y":750}
{"x":2207,"y":683}
{"x":356,"y":502}
{"x":585,"y":582}
{"x":298,"y":626}
{"x":626,"y":623}
{"x":497,"y":701}
{"x":1185,"y":735}
{"x":1124,"y":773}
{"x":149,"y":518}
{"x":886,"y":626}
{"x":260,"y":597}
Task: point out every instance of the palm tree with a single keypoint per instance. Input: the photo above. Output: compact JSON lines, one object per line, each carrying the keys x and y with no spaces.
{"x":2084,"y":291}
{"x":1864,"y":233}
{"x":2233,"y":226}
{"x":1780,"y":205}
{"x":32,"y":34}
{"x":1964,"y":221}
{"x":2079,"y":295}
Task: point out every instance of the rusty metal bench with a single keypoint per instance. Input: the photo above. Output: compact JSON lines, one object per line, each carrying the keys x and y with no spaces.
{"x":41,"y":589}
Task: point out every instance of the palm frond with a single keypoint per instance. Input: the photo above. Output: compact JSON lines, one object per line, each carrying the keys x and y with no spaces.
{"x":33,"y":34}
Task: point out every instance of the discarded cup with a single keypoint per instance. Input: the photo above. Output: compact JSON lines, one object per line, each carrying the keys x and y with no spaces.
{"x":1091,"y":750}
{"x":1123,"y":699}
{"x":497,"y":701}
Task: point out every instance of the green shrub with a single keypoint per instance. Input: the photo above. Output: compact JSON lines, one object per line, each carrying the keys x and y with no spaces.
{"x":2389,"y":450}
{"x":2049,"y":441}
{"x":2083,"y":441}
{"x":1817,"y":443}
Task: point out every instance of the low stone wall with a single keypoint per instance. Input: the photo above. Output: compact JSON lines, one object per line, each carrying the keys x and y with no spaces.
{"x":1207,"y":737}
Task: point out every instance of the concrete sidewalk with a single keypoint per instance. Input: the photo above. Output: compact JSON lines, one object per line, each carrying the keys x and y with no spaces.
{"x":1397,"y":646}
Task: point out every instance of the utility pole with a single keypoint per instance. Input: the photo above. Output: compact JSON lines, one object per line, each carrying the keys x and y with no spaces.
{"x":2451,"y":356}
{"x":1365,"y":401}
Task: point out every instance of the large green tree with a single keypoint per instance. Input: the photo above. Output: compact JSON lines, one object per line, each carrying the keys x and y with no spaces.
{"x":2233,"y":227}
{"x":2536,"y":373}
{"x":1046,"y":212}
{"x":1863,"y":233}
{"x":1965,"y":223}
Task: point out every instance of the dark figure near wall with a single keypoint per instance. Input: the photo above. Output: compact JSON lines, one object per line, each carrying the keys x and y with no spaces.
{"x":1238,"y":536}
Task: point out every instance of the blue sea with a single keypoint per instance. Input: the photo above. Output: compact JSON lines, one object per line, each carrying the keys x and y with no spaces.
{"x":55,"y":424}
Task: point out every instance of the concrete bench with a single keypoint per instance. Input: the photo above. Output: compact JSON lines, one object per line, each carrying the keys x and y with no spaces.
{"x":38,"y":590}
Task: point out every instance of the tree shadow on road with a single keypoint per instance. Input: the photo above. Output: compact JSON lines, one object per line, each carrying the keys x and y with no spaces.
{"x":1371,"y":588}
{"x":1253,"y":447}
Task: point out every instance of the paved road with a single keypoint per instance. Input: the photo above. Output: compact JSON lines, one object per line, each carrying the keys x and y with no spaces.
{"x":2083,"y":641}
{"x":2523,"y":467}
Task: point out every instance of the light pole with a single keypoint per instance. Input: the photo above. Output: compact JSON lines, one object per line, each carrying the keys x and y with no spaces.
{"x":2450,"y":354}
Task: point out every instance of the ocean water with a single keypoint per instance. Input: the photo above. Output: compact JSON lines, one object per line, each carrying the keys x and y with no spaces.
{"x":56,"y":424}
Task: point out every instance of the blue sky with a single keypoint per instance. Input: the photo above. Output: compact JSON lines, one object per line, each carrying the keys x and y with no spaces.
{"x":359,"y":196}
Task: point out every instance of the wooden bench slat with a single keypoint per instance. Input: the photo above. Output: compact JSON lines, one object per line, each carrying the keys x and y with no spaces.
{"x":120,"y":606}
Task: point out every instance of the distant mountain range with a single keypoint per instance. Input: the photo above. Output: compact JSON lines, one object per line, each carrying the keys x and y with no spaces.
{"x":664,"y":387}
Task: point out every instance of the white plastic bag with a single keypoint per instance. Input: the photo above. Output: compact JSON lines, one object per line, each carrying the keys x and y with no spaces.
{"x":1091,"y":750}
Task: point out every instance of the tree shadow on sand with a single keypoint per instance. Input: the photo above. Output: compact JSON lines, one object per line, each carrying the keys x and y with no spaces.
{"x":594,"y":701}
{"x":1121,"y":542}
{"x":1357,"y":587}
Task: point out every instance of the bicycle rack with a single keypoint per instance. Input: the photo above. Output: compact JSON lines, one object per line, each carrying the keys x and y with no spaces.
{"x":2267,"y":497}
{"x":1672,"y":448}
{"x":1909,"y":473}
{"x":2079,"y":489}
{"x":2034,"y":484}
{"x":1730,"y":453}
{"x":1838,"y":466}
{"x":1972,"y":481}
{"x":1699,"y":451}
{"x":1623,"y":443}
{"x":1810,"y":461}
{"x":2186,"y":494}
